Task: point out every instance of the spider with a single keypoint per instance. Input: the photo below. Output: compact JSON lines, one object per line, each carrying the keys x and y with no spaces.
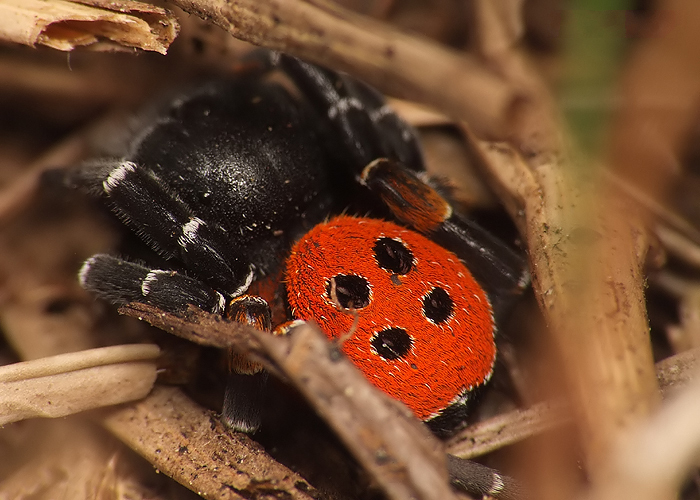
{"x":245,"y":187}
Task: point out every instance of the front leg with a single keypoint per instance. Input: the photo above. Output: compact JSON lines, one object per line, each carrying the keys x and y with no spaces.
{"x":162,"y":220}
{"x":120,"y":282}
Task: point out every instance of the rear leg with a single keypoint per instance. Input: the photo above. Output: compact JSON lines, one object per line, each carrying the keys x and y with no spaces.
{"x":501,"y":271}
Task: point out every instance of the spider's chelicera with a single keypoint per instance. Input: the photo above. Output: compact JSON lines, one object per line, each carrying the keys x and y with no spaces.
{"x":238,"y":185}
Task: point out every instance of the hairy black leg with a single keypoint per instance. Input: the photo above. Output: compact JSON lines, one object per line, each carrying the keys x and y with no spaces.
{"x":356,"y":113}
{"x":167,"y":224}
{"x":120,"y":282}
{"x":246,"y":385}
{"x":401,"y":137}
{"x":481,"y":481}
{"x":244,"y":397}
{"x":501,"y":272}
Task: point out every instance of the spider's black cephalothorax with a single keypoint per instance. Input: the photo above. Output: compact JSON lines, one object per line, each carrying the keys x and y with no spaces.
{"x":223,"y":180}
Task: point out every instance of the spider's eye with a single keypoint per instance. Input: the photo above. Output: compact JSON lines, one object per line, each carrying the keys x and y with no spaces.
{"x":392,"y":343}
{"x":437,"y":305}
{"x":352,"y":291}
{"x":393,"y":256}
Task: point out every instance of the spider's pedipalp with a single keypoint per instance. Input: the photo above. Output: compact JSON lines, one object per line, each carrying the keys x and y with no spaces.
{"x":246,"y":387}
{"x":243,"y":400}
{"x":251,"y":310}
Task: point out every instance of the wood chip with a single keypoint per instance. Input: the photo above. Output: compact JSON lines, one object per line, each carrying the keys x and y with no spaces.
{"x":65,"y":25}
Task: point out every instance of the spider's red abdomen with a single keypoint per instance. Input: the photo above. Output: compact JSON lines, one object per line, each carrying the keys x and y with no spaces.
{"x":425,"y":333}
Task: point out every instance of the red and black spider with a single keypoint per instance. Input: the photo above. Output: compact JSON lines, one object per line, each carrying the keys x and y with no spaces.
{"x":239,"y":185}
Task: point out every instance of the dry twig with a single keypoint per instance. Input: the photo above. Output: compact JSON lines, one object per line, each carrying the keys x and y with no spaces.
{"x":65,"y":384}
{"x":652,"y":461}
{"x":587,"y":249}
{"x":508,"y":428}
{"x":396,"y":63}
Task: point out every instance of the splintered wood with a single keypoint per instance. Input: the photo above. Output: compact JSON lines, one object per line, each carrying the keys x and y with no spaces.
{"x":100,"y":25}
